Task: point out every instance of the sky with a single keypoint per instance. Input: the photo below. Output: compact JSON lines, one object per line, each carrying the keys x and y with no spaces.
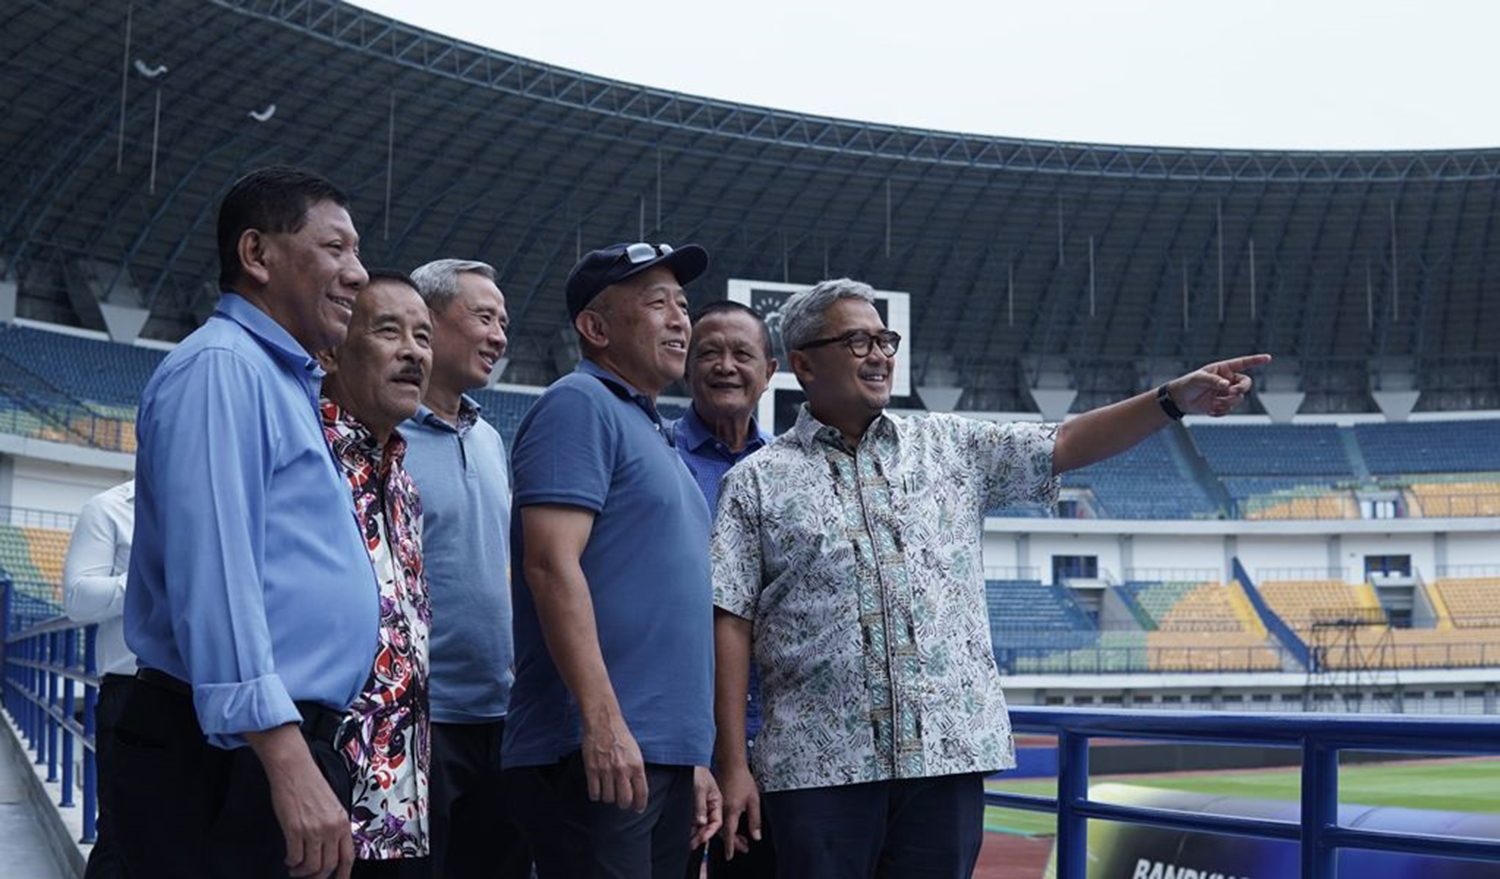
{"x":1263,"y":74}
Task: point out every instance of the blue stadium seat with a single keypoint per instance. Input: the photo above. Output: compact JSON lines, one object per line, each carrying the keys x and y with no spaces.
{"x":1431,"y":446}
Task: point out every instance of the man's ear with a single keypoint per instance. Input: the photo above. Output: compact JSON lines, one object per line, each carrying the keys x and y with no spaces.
{"x":593,"y":328}
{"x":771,"y":367}
{"x":252,"y":248}
{"x":327,"y":361}
{"x":801,"y":367}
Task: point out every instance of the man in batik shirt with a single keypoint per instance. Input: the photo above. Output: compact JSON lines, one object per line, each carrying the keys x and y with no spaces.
{"x":847,"y":562}
{"x":375,"y":381}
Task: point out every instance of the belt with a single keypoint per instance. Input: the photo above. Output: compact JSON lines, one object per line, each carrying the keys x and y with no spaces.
{"x":319,"y":722}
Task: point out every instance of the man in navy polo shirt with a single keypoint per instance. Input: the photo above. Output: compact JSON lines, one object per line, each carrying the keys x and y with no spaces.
{"x":730,"y":364}
{"x":610,"y":725}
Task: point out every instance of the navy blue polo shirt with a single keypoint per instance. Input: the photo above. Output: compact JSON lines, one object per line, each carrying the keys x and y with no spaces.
{"x":593,"y":441}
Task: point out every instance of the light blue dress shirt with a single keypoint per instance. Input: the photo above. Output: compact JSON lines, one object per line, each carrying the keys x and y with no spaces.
{"x":248,"y":577}
{"x":462,"y":477}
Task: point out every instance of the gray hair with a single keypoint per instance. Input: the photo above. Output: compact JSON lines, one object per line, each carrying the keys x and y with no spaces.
{"x":802,"y":316}
{"x":437,"y":281}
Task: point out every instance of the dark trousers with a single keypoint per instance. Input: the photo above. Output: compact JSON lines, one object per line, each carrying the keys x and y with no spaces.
{"x":185,"y":809}
{"x":472,"y":833}
{"x":105,"y":861}
{"x":922,"y":828}
{"x":758,"y":863}
{"x":573,"y":837}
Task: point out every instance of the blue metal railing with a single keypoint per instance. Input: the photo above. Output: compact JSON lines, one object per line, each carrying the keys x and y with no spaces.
{"x":44,"y":665}
{"x":1321,"y":738}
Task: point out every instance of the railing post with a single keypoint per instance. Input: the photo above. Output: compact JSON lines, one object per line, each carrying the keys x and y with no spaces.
{"x":70,"y":654}
{"x":52,"y":705}
{"x":1320,"y":808}
{"x":1072,"y":788}
{"x":90,"y":736}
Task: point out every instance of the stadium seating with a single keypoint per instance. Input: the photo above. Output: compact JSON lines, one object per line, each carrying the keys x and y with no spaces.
{"x":1430,"y":447}
{"x":32,"y":559}
{"x":1462,"y":498}
{"x":1145,"y":483}
{"x":1300,"y":603}
{"x":89,"y":370}
{"x":1472,"y":602}
{"x":1273,"y":450}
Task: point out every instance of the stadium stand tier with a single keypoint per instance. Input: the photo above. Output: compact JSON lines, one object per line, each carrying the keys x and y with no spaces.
{"x":1123,"y":261}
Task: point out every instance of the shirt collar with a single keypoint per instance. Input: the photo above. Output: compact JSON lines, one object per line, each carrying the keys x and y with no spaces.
{"x":695,"y":434}
{"x":349,"y":436}
{"x":468,"y":416}
{"x":622,"y":389}
{"x":809,"y":430}
{"x":268,"y":332}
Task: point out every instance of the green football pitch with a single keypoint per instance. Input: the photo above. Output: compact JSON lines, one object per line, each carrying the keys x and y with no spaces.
{"x":1446,"y":785}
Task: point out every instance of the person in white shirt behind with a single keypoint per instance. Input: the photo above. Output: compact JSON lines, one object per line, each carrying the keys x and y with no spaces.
{"x":94,"y":592}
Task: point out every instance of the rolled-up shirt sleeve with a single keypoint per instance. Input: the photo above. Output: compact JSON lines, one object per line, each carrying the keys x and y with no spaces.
{"x":212,"y":466}
{"x":92,"y":591}
{"x":735,"y":550}
{"x":1014,"y":462}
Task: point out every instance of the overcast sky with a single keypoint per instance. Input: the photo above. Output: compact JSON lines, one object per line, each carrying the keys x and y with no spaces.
{"x":1339,"y":74}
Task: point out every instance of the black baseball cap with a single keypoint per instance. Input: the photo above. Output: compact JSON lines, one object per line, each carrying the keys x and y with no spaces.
{"x":611,"y":265}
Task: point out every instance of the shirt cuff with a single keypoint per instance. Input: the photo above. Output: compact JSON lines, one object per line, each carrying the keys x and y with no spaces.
{"x":744,"y":608}
{"x":227,"y":711}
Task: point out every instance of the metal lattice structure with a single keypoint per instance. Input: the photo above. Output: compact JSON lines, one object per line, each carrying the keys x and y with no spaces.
{"x":1106,"y":262}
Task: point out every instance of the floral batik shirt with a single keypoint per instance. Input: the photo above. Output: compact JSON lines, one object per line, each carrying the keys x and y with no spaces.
{"x":862,"y":574}
{"x":385,"y":736}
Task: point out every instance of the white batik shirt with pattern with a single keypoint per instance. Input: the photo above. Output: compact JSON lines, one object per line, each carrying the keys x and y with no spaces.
{"x":862,"y":573}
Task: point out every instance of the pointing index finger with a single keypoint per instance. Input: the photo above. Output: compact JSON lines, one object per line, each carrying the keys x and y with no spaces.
{"x":1250,"y":361}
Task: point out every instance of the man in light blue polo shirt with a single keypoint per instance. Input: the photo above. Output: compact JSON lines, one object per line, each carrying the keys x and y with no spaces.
{"x":611,"y":722}
{"x":458,"y":462}
{"x":252,"y":605}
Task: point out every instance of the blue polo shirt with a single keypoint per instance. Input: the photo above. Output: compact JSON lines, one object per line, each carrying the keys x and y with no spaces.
{"x":460,"y":472}
{"x":593,"y":441}
{"x":708,"y":459}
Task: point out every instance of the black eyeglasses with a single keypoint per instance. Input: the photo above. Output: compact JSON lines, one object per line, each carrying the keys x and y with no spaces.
{"x":861,"y":342}
{"x":642,"y":252}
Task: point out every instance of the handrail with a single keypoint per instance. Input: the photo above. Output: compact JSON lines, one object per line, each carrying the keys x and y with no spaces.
{"x":1321,"y":737}
{"x":30,"y":517}
{"x":1174,"y":575}
{"x":41,"y":667}
{"x":1305,"y":573}
{"x":1467,"y":572}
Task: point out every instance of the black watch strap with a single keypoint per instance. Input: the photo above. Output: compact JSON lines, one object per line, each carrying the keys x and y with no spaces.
{"x":1164,"y":399}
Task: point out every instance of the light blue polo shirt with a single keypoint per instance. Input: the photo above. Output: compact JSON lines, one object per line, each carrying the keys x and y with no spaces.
{"x":461,"y":477}
{"x":592,"y":441}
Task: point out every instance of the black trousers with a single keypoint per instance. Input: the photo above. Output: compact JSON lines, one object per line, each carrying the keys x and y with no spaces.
{"x":758,"y":863}
{"x":105,"y":861}
{"x":185,"y":809}
{"x":573,"y":837}
{"x":922,"y":828}
{"x":472,"y":834}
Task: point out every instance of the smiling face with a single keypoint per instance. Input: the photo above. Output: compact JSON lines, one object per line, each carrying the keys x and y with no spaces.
{"x":380,"y":371}
{"x":727,"y":366}
{"x":843,"y":389}
{"x":469,"y":335}
{"x":311,"y":278}
{"x":639,"y":329}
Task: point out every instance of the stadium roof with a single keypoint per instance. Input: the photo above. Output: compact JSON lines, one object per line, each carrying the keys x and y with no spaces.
{"x":1022,"y":256}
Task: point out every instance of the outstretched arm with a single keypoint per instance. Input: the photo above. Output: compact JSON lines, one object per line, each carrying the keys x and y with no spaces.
{"x":1109,"y":430}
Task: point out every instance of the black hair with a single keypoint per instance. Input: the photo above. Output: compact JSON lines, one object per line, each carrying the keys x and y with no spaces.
{"x":272,"y":200}
{"x":729,"y":306}
{"x":396,"y":275}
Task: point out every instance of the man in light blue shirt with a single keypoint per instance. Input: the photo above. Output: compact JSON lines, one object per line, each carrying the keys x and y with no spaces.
{"x":252,"y":604}
{"x":458,"y":462}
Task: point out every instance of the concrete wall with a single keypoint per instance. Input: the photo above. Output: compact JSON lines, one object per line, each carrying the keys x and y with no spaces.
{"x":58,"y":487}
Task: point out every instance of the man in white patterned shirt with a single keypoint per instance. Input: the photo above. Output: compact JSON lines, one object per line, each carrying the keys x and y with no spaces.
{"x":847,"y":562}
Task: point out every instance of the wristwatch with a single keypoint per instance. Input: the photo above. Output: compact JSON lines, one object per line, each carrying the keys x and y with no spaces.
{"x":1164,"y":399}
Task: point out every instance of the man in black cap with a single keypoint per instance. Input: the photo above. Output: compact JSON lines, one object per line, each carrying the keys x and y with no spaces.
{"x":611,"y":719}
